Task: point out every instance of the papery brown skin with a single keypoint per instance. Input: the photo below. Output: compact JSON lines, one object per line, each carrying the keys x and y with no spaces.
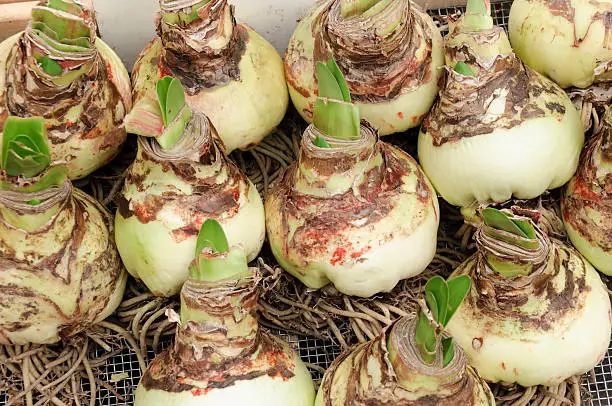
{"x":240,"y":86}
{"x":587,"y":202}
{"x":85,"y":120}
{"x":62,"y":278}
{"x":364,"y":376}
{"x":392,"y":79}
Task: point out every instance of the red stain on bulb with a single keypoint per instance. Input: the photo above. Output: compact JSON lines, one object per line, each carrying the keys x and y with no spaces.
{"x":338,"y":256}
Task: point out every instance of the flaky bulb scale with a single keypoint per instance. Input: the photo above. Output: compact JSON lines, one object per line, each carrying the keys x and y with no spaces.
{"x":230,"y":73}
{"x":587,"y":202}
{"x":60,"y":270}
{"x":167,"y":196}
{"x":84,"y":101}
{"x":500,"y":131}
{"x":390,"y":54}
{"x":366,"y":375}
{"x":343,"y":215}
{"x":568,"y":41}
{"x":538,"y":327}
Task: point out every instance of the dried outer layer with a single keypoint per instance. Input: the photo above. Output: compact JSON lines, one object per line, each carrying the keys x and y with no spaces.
{"x":364,"y":376}
{"x":569,"y":41}
{"x":231,"y":74}
{"x":206,"y":53}
{"x":506,"y":132}
{"x":225,"y":358}
{"x":84,"y":118}
{"x":390,"y":61}
{"x":345,"y":214}
{"x":168,"y":194}
{"x":587,"y":204}
{"x":514,"y":330}
{"x":61,"y":276}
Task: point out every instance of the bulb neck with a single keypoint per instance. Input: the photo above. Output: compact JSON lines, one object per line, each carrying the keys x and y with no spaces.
{"x":32,"y":211}
{"x":510,"y":255}
{"x":218,"y":319}
{"x":412,"y":372}
{"x":349,"y":165}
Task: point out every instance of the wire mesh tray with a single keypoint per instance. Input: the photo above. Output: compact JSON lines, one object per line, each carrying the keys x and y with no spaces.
{"x":123,"y":369}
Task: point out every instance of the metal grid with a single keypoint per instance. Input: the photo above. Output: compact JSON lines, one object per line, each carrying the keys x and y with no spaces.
{"x":318,"y":352}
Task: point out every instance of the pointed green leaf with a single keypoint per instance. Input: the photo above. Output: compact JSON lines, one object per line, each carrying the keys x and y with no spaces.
{"x":526,"y":228}
{"x":340,"y":80}
{"x":499,"y":220}
{"x":212,"y":236}
{"x":448,"y":350}
{"x":321,"y":142}
{"x":162,"y":94}
{"x":458,"y":289}
{"x":327,"y":84}
{"x":436,"y":286}
{"x":337,"y":119}
{"x":464,"y":69}
{"x":175,"y":100}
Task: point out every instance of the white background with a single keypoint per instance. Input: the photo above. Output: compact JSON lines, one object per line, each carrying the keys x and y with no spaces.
{"x":128,"y":25}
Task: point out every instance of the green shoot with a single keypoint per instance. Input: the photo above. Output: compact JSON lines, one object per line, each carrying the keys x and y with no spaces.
{"x":219,"y":262}
{"x":464,"y":69}
{"x":334,"y":113}
{"x":174,"y":111}
{"x":321,"y":142}
{"x":60,"y":29}
{"x":50,"y":66}
{"x":516,"y":231}
{"x":61,"y":5}
{"x":501,"y":221}
{"x":24,"y":147}
{"x":443,"y":298}
{"x":212,"y":236}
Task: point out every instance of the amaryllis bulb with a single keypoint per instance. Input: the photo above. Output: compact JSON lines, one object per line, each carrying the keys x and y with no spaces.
{"x":230,"y":72}
{"x":389,"y":370}
{"x":500,"y":131}
{"x":532,"y":299}
{"x":171,"y":191}
{"x":60,"y":270}
{"x":587,"y":203}
{"x":345,"y":214}
{"x":59,"y":70}
{"x":221,"y":356}
{"x":569,"y":41}
{"x":389,"y":51}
